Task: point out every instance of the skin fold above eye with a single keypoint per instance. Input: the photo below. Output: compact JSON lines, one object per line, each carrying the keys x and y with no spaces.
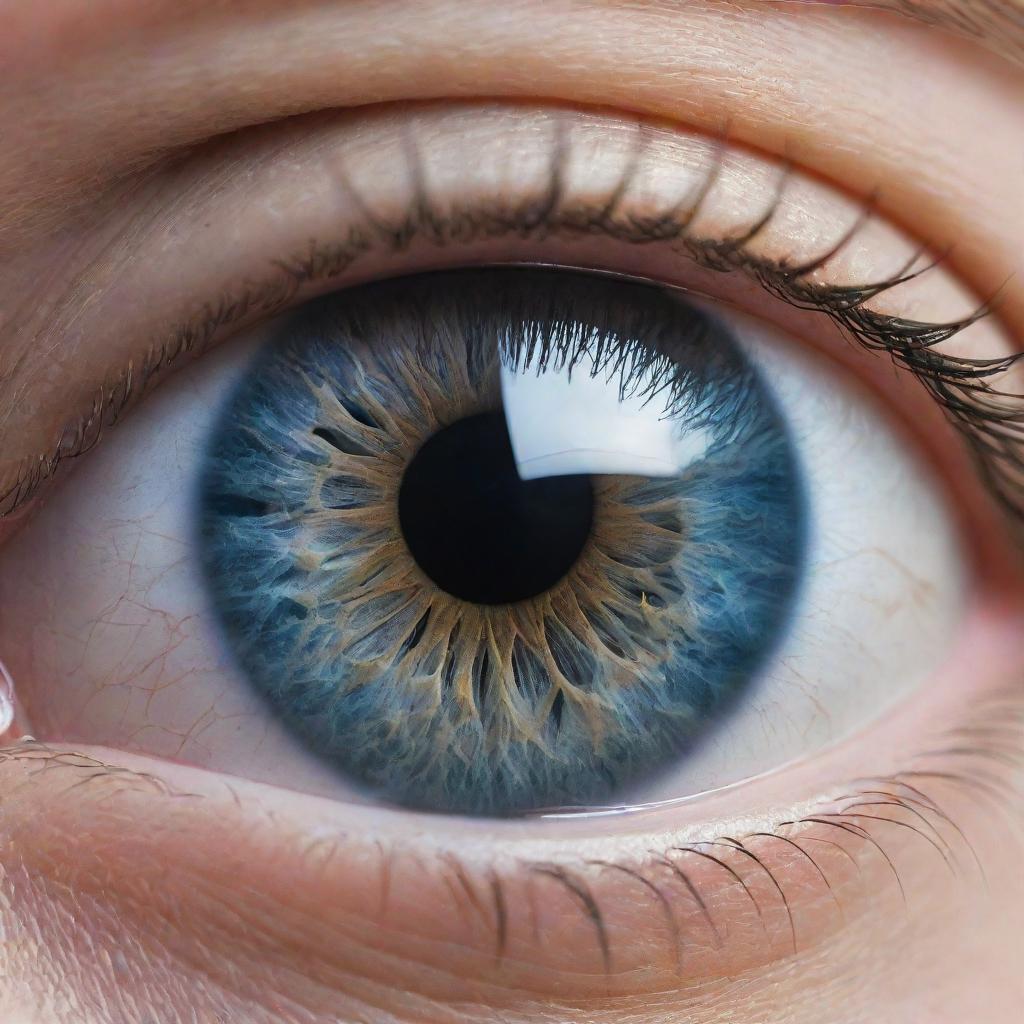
{"x":847,"y":887}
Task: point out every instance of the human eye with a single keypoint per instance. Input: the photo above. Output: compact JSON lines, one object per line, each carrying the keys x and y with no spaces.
{"x":557,"y":539}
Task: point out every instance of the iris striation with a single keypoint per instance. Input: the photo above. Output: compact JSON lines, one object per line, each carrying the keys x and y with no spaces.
{"x":553,"y":672}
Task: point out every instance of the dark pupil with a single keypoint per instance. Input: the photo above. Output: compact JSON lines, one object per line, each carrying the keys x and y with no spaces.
{"x":477,"y":530}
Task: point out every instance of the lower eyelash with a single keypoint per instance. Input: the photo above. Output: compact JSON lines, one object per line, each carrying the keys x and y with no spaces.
{"x":990,"y":420}
{"x":853,"y":823}
{"x":687,"y":885}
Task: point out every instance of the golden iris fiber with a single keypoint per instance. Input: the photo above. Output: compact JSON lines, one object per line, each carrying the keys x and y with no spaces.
{"x":565,"y":697}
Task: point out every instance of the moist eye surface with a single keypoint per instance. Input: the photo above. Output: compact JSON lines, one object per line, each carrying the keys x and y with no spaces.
{"x":500,"y":540}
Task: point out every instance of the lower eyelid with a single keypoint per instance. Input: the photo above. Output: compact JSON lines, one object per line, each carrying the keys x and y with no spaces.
{"x":577,"y":910}
{"x":491,"y":914}
{"x":653,"y":901}
{"x":522,"y":923}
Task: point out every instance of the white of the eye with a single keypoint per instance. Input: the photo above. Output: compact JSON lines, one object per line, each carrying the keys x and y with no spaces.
{"x":883,"y":595}
{"x":563,"y":423}
{"x":133,"y":659}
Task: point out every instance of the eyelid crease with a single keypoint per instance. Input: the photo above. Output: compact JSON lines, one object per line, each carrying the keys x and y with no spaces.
{"x":996,"y":24}
{"x":991,"y":424}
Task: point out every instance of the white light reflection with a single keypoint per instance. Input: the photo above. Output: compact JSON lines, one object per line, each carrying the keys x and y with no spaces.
{"x":7,"y":705}
{"x":562,"y":423}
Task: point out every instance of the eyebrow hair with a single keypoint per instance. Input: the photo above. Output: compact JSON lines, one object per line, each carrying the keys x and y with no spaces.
{"x":995,"y":24}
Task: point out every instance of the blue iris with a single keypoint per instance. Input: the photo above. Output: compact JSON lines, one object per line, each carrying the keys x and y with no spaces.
{"x":449,"y":636}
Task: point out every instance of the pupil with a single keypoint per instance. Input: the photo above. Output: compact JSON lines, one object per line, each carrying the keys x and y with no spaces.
{"x":477,"y":530}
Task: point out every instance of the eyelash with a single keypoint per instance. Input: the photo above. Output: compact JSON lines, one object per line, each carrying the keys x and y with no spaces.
{"x":964,"y":388}
{"x":852,"y":822}
{"x":990,"y":420}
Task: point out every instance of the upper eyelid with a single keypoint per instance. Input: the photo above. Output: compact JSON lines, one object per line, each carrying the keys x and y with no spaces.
{"x":770,"y":118}
{"x":546,"y":213}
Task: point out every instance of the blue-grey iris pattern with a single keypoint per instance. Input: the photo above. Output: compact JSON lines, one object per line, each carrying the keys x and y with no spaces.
{"x":573,"y":697}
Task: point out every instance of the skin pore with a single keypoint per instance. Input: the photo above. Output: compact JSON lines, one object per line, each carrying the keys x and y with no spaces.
{"x":158,"y":158}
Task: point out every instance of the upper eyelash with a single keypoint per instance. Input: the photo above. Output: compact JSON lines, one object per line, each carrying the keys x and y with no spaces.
{"x":991,"y":421}
{"x":903,"y":339}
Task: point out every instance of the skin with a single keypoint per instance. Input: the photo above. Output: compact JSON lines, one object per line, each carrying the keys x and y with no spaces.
{"x":139,"y":887}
